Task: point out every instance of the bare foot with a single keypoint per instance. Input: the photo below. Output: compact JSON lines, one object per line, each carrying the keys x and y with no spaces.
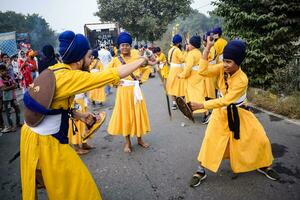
{"x":82,"y":151}
{"x":85,"y":146}
{"x":143,"y":144}
{"x":127,"y":148}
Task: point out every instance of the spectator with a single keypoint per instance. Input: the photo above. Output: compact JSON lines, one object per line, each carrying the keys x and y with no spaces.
{"x":32,"y":63}
{"x":17,"y":74}
{"x":8,"y":86}
{"x":24,"y":70}
{"x":7,"y":61}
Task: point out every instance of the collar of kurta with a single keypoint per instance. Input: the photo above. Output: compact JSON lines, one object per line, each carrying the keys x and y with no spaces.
{"x":235,"y":74}
{"x":60,"y":65}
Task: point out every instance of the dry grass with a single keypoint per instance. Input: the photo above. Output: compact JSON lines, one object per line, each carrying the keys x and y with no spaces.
{"x":285,"y":105}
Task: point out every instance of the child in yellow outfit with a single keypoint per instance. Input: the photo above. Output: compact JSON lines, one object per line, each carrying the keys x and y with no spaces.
{"x":96,"y":95}
{"x":233,"y":132}
{"x":130,"y":116}
{"x":195,"y":85}
{"x":162,"y":62}
{"x":174,"y":85}
{"x":78,"y":128}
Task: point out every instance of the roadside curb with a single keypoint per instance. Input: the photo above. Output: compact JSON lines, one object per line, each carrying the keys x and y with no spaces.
{"x":293,"y":121}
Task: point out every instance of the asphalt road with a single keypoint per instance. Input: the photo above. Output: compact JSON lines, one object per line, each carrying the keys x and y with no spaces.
{"x":164,"y":170}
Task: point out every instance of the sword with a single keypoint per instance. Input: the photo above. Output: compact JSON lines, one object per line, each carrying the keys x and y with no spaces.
{"x":163,"y":80}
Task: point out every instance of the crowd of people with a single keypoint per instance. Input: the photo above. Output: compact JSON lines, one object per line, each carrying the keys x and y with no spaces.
{"x":211,"y":82}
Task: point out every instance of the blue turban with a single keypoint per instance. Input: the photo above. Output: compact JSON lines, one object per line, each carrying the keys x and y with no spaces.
{"x":156,"y":50}
{"x":72,"y":48}
{"x":218,"y":31}
{"x":145,"y":46}
{"x":95,"y":53}
{"x":195,"y":41}
{"x":177,"y":39}
{"x":124,"y":37}
{"x":235,"y":50}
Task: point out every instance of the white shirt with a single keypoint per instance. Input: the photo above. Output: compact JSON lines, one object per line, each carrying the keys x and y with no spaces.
{"x":105,"y":57}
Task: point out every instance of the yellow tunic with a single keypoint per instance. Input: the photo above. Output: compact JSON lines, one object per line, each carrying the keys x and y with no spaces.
{"x":219,"y":47}
{"x":211,"y":82}
{"x":165,"y":69}
{"x":175,"y":86}
{"x":116,"y":51}
{"x":135,"y":52}
{"x":253,"y":149}
{"x":65,"y":175}
{"x":99,"y":93}
{"x":195,"y":85}
{"x":81,"y":126}
{"x":145,"y":73}
{"x":128,"y":117}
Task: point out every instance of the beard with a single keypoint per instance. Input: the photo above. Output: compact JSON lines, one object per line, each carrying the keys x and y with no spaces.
{"x":85,"y":67}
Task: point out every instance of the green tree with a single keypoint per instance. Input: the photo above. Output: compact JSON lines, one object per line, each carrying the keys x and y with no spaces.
{"x":271,"y":30}
{"x":40,"y":31}
{"x":194,"y":24}
{"x":144,"y":19}
{"x":37,"y":27}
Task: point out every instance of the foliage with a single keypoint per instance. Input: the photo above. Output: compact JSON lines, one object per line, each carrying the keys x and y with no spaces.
{"x":271,"y":30}
{"x":37,"y":27}
{"x":144,"y":19}
{"x":194,"y":23}
{"x":280,"y":104}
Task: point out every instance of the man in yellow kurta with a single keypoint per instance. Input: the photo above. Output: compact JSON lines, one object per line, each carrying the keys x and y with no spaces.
{"x":195,"y":85}
{"x":96,"y":95}
{"x":130,"y":116}
{"x":174,"y":85}
{"x":233,"y":131}
{"x":45,"y":146}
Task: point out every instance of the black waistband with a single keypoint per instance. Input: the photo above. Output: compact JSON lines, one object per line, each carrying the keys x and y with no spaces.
{"x":234,"y":119}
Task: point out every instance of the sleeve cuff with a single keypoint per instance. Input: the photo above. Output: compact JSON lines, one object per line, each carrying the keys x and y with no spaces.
{"x":203,"y":63}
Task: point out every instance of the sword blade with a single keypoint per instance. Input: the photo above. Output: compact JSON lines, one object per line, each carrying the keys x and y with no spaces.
{"x":167,"y":96}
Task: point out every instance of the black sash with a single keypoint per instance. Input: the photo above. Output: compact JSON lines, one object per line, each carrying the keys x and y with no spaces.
{"x":233,"y":114}
{"x":124,"y":63}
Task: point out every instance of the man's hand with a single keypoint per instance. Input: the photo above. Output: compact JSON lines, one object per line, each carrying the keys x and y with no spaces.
{"x":88,"y":118}
{"x":210,"y":41}
{"x":196,"y":106}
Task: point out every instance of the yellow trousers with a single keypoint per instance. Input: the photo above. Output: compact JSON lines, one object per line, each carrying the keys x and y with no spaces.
{"x":65,"y":175}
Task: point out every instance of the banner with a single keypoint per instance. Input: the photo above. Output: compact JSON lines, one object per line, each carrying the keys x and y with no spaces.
{"x":8,"y":43}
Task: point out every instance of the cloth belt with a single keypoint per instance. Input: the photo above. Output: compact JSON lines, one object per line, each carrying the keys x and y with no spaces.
{"x":195,"y":68}
{"x":233,"y":115}
{"x":137,"y":89}
{"x":94,"y":70}
{"x":172,"y":65}
{"x":161,"y":65}
{"x":49,"y":126}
